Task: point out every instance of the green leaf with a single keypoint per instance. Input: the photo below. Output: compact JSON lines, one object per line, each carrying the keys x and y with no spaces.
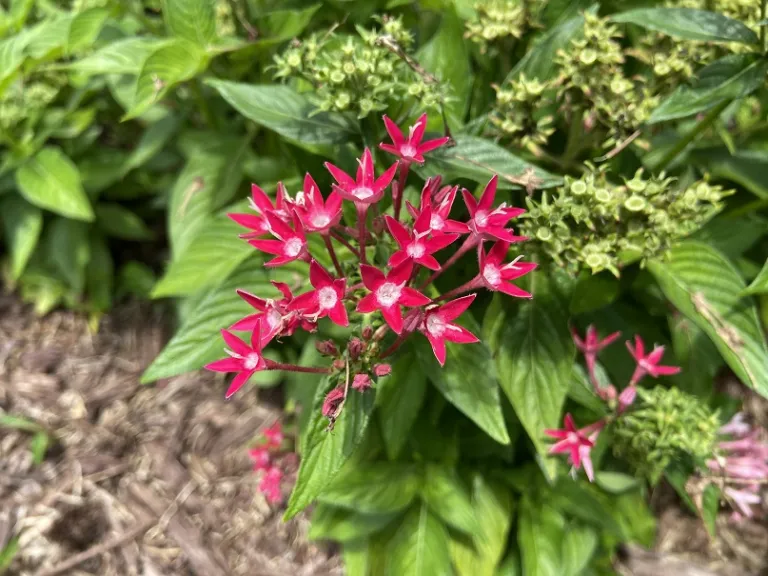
{"x":749,"y":168}
{"x":689,"y":24}
{"x":11,"y":57}
{"x":710,"y":506}
{"x":85,"y":28}
{"x":579,"y":544}
{"x":478,"y":159}
{"x":448,"y":498}
{"x":493,"y":507}
{"x":8,"y":553}
{"x":399,"y":397}
{"x":69,"y":251}
{"x":582,"y":392}
{"x":193,"y":20}
{"x":323,"y":451}
{"x":287,"y":24}
{"x":344,"y":525}
{"x":373,"y":488}
{"x":39,"y":446}
{"x":468,"y":381}
{"x":731,"y":77}
{"x":124,"y":56}
{"x":152,"y":141}
{"x":760,"y":283}
{"x":119,"y":222}
{"x":420,"y":546}
{"x":210,"y":257}
{"x":100,"y":275}
{"x":282,"y":109}
{"x":22,"y":225}
{"x":51,"y":181}
{"x":168,"y":65}
{"x":705,"y":287}
{"x":695,"y":353}
{"x":197,"y":341}
{"x":540,"y":531}
{"x":48,"y":38}
{"x":593,"y":291}
{"x":616,"y":482}
{"x":19,"y":423}
{"x":732,"y":235}
{"x":534,"y":360}
{"x":357,"y":557}
{"x":135,"y":279}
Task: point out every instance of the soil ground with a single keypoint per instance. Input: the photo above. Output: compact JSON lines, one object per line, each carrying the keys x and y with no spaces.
{"x":155,"y":481}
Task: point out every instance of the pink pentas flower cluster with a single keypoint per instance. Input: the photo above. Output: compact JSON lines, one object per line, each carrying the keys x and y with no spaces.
{"x":384,"y":281}
{"x":265,"y":461}
{"x":578,"y":442}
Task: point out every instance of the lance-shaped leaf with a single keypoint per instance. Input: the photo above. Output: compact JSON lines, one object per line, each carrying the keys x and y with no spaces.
{"x":689,"y":24}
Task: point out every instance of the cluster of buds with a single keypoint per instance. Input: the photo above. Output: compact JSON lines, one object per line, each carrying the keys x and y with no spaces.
{"x":523,"y":112}
{"x":740,"y":466}
{"x":496,"y":20}
{"x":393,"y":284}
{"x":362,"y":73}
{"x":225,"y":18}
{"x":594,"y":224}
{"x":578,"y":442}
{"x":23,"y":103}
{"x":271,"y":461}
{"x":673,"y":62}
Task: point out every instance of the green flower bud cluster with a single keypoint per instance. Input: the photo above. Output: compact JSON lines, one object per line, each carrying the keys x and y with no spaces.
{"x":24,"y":102}
{"x":665,"y":425}
{"x":494,"y":20}
{"x":523,"y":112}
{"x":358,"y":72}
{"x":673,"y":61}
{"x":590,"y":223}
{"x":225,"y":21}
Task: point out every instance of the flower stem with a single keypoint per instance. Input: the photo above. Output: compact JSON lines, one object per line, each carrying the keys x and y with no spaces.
{"x":362,"y":209}
{"x":271,"y":365}
{"x":469,"y":243}
{"x":402,"y":172}
{"x":332,"y":252}
{"x":343,"y":241}
{"x":476,"y":282}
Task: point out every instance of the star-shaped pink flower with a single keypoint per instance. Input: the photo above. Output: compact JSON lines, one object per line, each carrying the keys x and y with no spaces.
{"x":437,"y":325}
{"x":260,"y":457}
{"x":439,"y":220}
{"x":243,"y":359}
{"x":274,"y":435}
{"x":390,"y":292}
{"x":496,"y":276}
{"x":648,"y":364}
{"x":316,"y":214}
{"x":262,"y":205}
{"x":591,"y":345}
{"x":270,"y":485}
{"x":416,"y":244}
{"x":365,"y":188}
{"x":291,"y":243}
{"x":487,"y":222}
{"x":327,"y":298}
{"x":410,"y":149}
{"x":275,"y":315}
{"x":576,"y":443}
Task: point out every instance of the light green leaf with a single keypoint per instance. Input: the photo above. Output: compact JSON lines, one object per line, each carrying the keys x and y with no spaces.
{"x":69,"y":251}
{"x":582,"y":391}
{"x":468,"y":381}
{"x":760,"y":283}
{"x":121,"y":57}
{"x":447,"y":497}
{"x":85,"y":28}
{"x":373,"y":488}
{"x":710,"y":507}
{"x":534,"y":360}
{"x":39,"y":446}
{"x":324,"y":451}
{"x":579,"y":544}
{"x":478,"y":159}
{"x":50,"y":180}
{"x":285,"y":111}
{"x":100,"y":275}
{"x":163,"y":69}
{"x":193,"y":20}
{"x":399,"y":397}
{"x":540,"y":531}
{"x":119,"y":222}
{"x":19,"y":423}
{"x":357,"y":557}
{"x":344,"y":525}
{"x":616,"y":482}
{"x":152,"y":141}
{"x":11,"y":57}
{"x":705,"y":287}
{"x":689,"y":24}
{"x":48,"y":38}
{"x":420,"y":546}
{"x":731,"y":77}
{"x":22,"y":224}
{"x":8,"y":553}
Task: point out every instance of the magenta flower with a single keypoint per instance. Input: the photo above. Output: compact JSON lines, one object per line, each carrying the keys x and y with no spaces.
{"x":487,"y":222}
{"x":439,"y":328}
{"x":496,"y":276}
{"x":262,"y":204}
{"x":365,"y":188}
{"x":275,"y":315}
{"x":274,"y":435}
{"x":327,"y":298}
{"x":382,"y":370}
{"x":439,"y":211}
{"x":361,"y":382}
{"x":627,"y":398}
{"x":416,"y":244}
{"x":592,"y":344}
{"x":648,"y":364}
{"x":332,"y":402}
{"x":245,"y":360}
{"x":316,"y":214}
{"x":260,"y":457}
{"x":744,"y":498}
{"x":270,"y":485}
{"x":576,"y":443}
{"x":736,"y":426}
{"x":291,"y":243}
{"x":389,"y":292}
{"x":410,"y":149}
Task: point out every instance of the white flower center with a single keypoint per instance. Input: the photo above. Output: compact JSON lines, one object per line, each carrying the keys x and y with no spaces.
{"x":320,"y":219}
{"x":362,"y":192}
{"x":408,"y":151}
{"x":388,"y":294}
{"x":491,"y":274}
{"x":299,"y":199}
{"x":327,"y":297}
{"x":293,"y":247}
{"x":436,"y":222}
{"x":415,"y":250}
{"x":251,"y":361}
{"x":481,"y":217}
{"x":572,"y":438}
{"x":645,"y":365}
{"x":274,"y":318}
{"x":435,"y":325}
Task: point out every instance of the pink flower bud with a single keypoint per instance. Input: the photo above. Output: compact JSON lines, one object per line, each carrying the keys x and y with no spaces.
{"x":378,"y":225}
{"x":361,"y":382}
{"x":326,"y":348}
{"x":355,"y":347}
{"x":332,"y":403}
{"x":368,"y":332}
{"x":270,"y":485}
{"x":274,"y":435}
{"x":382,"y":370}
{"x":259,"y":457}
{"x":627,"y":397}
{"x":338,"y":364}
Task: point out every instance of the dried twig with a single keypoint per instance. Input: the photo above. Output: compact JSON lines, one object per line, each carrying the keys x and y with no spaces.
{"x":619,"y":147}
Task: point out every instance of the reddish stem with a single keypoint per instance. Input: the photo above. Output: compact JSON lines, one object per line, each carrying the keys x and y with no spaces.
{"x":473,"y":284}
{"x":332,"y":252}
{"x":397,"y":193}
{"x":468,"y":244}
{"x":354,"y":287}
{"x":362,"y":210}
{"x":271,"y":365}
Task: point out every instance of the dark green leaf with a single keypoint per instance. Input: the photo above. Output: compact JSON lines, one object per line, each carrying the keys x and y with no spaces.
{"x":447,"y":497}
{"x":420,"y":546}
{"x":100,"y":275}
{"x":399,"y":397}
{"x":748,"y":168}
{"x":51,"y":181}
{"x":135,"y":279}
{"x":540,"y":531}
{"x":193,"y":20}
{"x":373,"y":488}
{"x":287,"y":24}
{"x":696,"y":355}
{"x":69,"y":251}
{"x":689,"y":24}
{"x":732,"y":235}
{"x":705,"y":287}
{"x":760,"y":283}
{"x":285,"y":111}
{"x":344,"y":525}
{"x":710,"y":506}
{"x":594,"y":291}
{"x":119,"y":222}
{"x":152,"y":141}
{"x":22,"y":224}
{"x":125,"y":56}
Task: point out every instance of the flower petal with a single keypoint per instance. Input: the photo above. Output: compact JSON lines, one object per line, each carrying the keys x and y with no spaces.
{"x":250,"y":221}
{"x":412,"y":297}
{"x":225,"y":365}
{"x":384,"y":180}
{"x":400,"y":274}
{"x":306,"y":302}
{"x":416,"y":133}
{"x":438,"y":347}
{"x":235,"y":344}
{"x":269,"y":246}
{"x":254,"y":301}
{"x":338,"y":314}
{"x":394,"y":131}
{"x":261,"y":200}
{"x":343,"y":179}
{"x":440,"y":241}
{"x":368,"y":304}
{"x":430,"y":145}
{"x":512,"y":290}
{"x":455,"y":308}
{"x":400,"y":233}
{"x":246,"y":324}
{"x":459,"y":335}
{"x":318,"y":276}
{"x":470,"y":201}
{"x":237,"y":383}
{"x":489,"y":194}
{"x":394,"y":317}
{"x":372,"y":276}
{"x":429,"y":261}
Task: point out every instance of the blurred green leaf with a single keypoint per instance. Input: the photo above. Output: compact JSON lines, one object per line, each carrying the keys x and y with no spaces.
{"x":760,"y":283}
{"x":119,"y":222}
{"x":100,"y":275}
{"x":69,"y":251}
{"x":593,"y":291}
{"x":373,"y":488}
{"x":124,"y":56}
{"x":135,"y":279}
{"x":345,"y":525}
{"x":152,"y":141}
{"x":748,"y":168}
{"x":85,"y":28}
{"x":8,"y":553}
{"x":540,"y":532}
{"x":448,"y":498}
{"x":39,"y":446}
{"x":689,"y":24}
{"x":732,"y":236}
{"x":19,"y":423}
{"x":193,"y":20}
{"x":22,"y":225}
{"x":616,"y":482}
{"x":419,"y":546}
{"x":696,"y":355}
{"x":578,"y":547}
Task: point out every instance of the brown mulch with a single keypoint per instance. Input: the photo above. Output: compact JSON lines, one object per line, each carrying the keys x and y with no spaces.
{"x":143,"y":481}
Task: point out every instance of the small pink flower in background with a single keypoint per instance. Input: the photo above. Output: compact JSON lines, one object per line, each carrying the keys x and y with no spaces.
{"x":416,"y":244}
{"x":274,"y":436}
{"x":245,"y":360}
{"x":648,"y":364}
{"x":437,"y":325}
{"x":332,"y":402}
{"x":327,"y":298}
{"x":260,"y":457}
{"x":592,"y":344}
{"x":439,"y":211}
{"x":389,"y":292}
{"x":410,"y":149}
{"x":627,"y":398}
{"x":316,"y":214}
{"x":576,"y":443}
{"x":361,"y":382}
{"x":382,"y":370}
{"x":262,"y":205}
{"x":737,"y":426}
{"x":270,"y":485}
{"x":365,"y":188}
{"x":487,"y":222}
{"x":744,"y":499}
{"x":291,"y":243}
{"x":496,"y":275}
